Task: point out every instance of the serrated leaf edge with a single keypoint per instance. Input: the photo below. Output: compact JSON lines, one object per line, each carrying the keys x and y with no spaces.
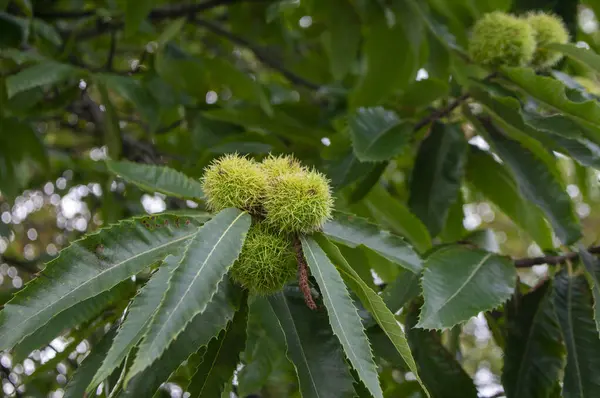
{"x":94,"y":383}
{"x":174,"y":337}
{"x":99,"y":231}
{"x":418,"y":325}
{"x":325,"y":291}
{"x":148,"y":188}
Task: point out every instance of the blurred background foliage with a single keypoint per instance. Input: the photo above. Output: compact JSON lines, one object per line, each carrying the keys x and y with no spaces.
{"x":179,"y":83}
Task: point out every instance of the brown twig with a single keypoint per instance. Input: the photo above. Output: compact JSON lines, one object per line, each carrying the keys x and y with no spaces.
{"x":303,"y":275}
{"x":156,"y":15}
{"x":259,"y":53}
{"x":552,"y":260}
{"x":445,"y":111}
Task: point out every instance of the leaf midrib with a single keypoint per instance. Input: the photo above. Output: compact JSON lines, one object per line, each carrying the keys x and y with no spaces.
{"x":99,"y":275}
{"x":471,"y":276}
{"x":297,"y":338}
{"x":212,"y":365}
{"x":572,"y":334}
{"x":378,"y":137}
{"x":534,"y":324}
{"x":162,"y":328}
{"x":288,"y":314}
{"x":372,"y":304}
{"x":326,"y":291}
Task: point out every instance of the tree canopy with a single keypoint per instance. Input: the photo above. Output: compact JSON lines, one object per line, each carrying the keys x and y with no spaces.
{"x":298,"y":198}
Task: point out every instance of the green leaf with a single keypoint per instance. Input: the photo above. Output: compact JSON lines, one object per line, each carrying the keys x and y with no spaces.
{"x":181,"y":71}
{"x":88,"y":267}
{"x":456,"y":285}
{"x":498,"y":185}
{"x":207,"y":257}
{"x":343,"y":316}
{"x":222,"y":73}
{"x":377,"y":134}
{"x":364,"y":186}
{"x":202,"y":328}
{"x":390,"y":60}
{"x":112,"y":129}
{"x":439,"y":30}
{"x":14,"y":30}
{"x":342,"y":38}
{"x":454,"y":229}
{"x":84,"y":373}
{"x":162,"y":179}
{"x":20,"y":148}
{"x":317,"y":357}
{"x":437,"y":175}
{"x":402,"y":290}
{"x":221,"y":358}
{"x":265,"y":347}
{"x":534,"y":351}
{"x":139,"y":316}
{"x":592,"y":272}
{"x":573,"y":306}
{"x":354,"y":231}
{"x":81,"y":312}
{"x":441,"y":373}
{"x":584,"y":55}
{"x":133,"y":91}
{"x":171,"y":31}
{"x":372,"y":302}
{"x":135,"y":14}
{"x":25,"y":6}
{"x":391,"y":212}
{"x":42,"y":74}
{"x":538,"y":182}
{"x":423,"y":93}
{"x":551,"y":92}
{"x":279,"y":123}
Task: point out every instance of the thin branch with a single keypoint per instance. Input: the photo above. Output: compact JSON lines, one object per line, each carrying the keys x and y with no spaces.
{"x":258,"y":52}
{"x":156,"y":15}
{"x":169,"y":127}
{"x":176,"y":11}
{"x":49,"y":15}
{"x":445,"y":111}
{"x":552,"y":260}
{"x":111,"y":51}
{"x":440,"y":113}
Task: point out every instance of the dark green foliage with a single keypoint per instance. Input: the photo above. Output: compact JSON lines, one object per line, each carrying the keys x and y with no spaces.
{"x":355,"y":198}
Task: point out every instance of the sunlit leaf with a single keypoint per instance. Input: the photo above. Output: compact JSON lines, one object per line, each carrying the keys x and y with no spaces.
{"x":202,"y":328}
{"x":88,"y":267}
{"x":343,"y":316}
{"x":206,"y":259}
{"x":373,"y":303}
{"x":138,"y":318}
{"x":539,"y":182}
{"x":498,"y":185}
{"x":354,"y":231}
{"x":221,"y":357}
{"x":456,"y":285}
{"x":71,"y":317}
{"x":162,"y":179}
{"x":317,"y":357}
{"x":43,"y":74}
{"x":377,"y":134}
